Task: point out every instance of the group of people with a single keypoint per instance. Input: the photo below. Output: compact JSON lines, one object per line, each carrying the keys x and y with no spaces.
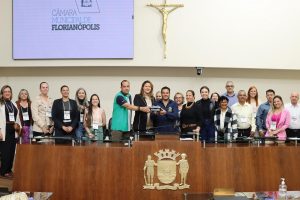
{"x":214,"y":116}
{"x":64,"y":118}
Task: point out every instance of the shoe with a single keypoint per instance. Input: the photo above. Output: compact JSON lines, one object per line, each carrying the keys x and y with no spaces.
{"x":7,"y":176}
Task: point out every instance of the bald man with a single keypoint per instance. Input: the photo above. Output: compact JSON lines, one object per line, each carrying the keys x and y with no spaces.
{"x":294,"y":108}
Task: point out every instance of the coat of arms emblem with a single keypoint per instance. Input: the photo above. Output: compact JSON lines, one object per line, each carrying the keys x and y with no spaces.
{"x":166,"y":170}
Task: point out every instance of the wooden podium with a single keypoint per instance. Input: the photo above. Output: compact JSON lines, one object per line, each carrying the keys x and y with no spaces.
{"x":109,"y":172}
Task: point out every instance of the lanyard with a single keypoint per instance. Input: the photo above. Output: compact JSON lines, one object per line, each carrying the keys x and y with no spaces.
{"x":10,"y":107}
{"x":64,"y":106}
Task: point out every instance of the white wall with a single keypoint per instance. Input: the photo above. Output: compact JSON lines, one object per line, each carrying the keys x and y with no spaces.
{"x":210,"y":33}
{"x":220,"y":35}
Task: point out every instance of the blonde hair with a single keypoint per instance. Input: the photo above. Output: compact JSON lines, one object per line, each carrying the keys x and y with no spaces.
{"x":179,"y":93}
{"x":28,"y":97}
{"x":272,"y":110}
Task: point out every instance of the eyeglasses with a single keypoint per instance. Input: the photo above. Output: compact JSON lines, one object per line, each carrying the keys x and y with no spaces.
{"x":229,"y":86}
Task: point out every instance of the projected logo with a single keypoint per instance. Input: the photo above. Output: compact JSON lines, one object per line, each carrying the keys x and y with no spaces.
{"x":87,"y":6}
{"x":86,"y":3}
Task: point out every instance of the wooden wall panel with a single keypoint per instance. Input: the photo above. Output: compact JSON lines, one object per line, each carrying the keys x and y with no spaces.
{"x":243,"y":167}
{"x":99,"y":172}
{"x":74,"y":172}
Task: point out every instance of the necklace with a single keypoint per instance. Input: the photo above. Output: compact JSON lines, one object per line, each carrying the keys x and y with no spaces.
{"x":188,"y":107}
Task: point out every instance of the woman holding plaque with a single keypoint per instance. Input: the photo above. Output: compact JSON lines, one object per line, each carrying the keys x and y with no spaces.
{"x":142,"y":120}
{"x":9,"y":130}
{"x":24,"y":106}
{"x":95,"y":120}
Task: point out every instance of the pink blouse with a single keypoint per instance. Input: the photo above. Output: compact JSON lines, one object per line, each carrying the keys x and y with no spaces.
{"x":282,"y":122}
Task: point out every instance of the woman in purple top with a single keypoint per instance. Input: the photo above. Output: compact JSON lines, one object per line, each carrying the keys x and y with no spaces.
{"x":24,"y":106}
{"x":278,"y":119}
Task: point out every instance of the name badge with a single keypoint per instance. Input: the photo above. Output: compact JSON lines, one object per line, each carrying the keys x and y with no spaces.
{"x":95,"y":125}
{"x":25,"y":116}
{"x":294,"y":118}
{"x":170,"y":109}
{"x":48,"y":112}
{"x":11,"y":116}
{"x":67,"y":115}
{"x":81,"y":117}
{"x":243,"y":119}
{"x":273,"y":126}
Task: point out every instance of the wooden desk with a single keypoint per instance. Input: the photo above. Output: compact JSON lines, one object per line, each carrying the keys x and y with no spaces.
{"x":101,"y":172}
{"x":81,"y":172}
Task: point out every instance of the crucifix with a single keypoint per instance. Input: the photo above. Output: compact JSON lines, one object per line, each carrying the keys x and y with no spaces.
{"x":163,"y":9}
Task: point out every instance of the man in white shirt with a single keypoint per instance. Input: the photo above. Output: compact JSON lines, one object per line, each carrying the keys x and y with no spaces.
{"x":294,"y":108}
{"x":245,"y":116}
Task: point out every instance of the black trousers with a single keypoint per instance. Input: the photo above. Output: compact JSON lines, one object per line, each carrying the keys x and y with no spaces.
{"x":293,"y":133}
{"x":62,"y":133}
{"x":8,"y":148}
{"x":244,"y":132}
{"x":221,"y":135}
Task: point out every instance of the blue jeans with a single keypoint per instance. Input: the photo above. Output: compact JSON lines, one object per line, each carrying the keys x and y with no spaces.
{"x":80,"y":131}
